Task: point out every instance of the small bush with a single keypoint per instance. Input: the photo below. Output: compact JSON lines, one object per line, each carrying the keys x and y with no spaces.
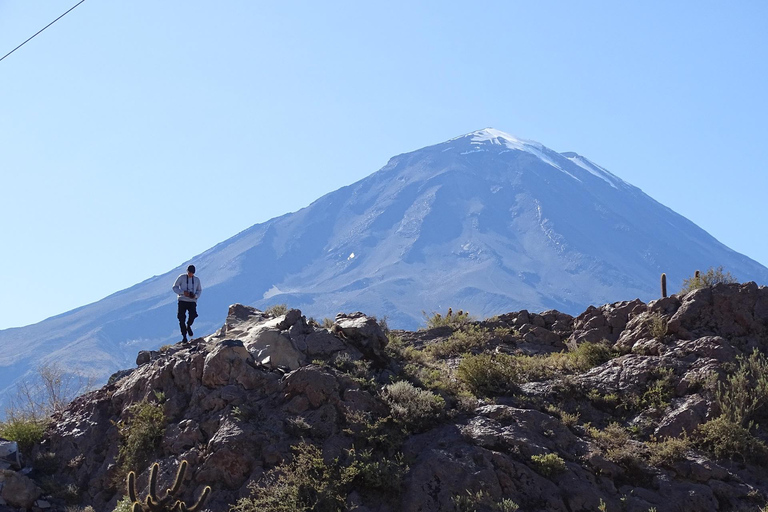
{"x":745,"y":390}
{"x":276,"y":310}
{"x":657,"y":326}
{"x":463,"y":340}
{"x":615,"y":444}
{"x":306,"y":483}
{"x":548,"y":464}
{"x":451,"y":319}
{"x":711,"y":277}
{"x":27,"y":432}
{"x":124,"y":505}
{"x":416,"y":408}
{"x":140,"y":434}
{"x":488,"y":374}
{"x":480,"y":500}
{"x":668,"y":451}
{"x":588,"y":355}
{"x":726,"y":439}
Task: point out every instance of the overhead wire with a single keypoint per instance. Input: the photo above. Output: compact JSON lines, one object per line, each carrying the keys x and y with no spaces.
{"x":39,"y":31}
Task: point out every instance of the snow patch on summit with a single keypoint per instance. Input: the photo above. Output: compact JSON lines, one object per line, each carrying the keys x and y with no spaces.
{"x":497,"y":137}
{"x":593,"y":169}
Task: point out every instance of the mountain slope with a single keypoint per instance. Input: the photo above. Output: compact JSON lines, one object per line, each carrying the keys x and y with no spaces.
{"x":485,"y":222}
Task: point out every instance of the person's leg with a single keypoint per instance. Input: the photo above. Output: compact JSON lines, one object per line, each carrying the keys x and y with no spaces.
{"x":181,"y":315}
{"x":192,"y":316}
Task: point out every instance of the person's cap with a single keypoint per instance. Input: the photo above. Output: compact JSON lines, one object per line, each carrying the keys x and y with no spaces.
{"x":191,"y":268}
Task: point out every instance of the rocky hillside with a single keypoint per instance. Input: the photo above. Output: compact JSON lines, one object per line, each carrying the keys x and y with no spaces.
{"x":626,"y":407}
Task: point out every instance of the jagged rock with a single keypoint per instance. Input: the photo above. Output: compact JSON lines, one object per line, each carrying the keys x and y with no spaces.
{"x":225,"y":363}
{"x":145,"y":356}
{"x":266,"y":343}
{"x":363,"y":332}
{"x":10,"y":458}
{"x":234,"y":420}
{"x":686,"y":414}
{"x":18,"y":490}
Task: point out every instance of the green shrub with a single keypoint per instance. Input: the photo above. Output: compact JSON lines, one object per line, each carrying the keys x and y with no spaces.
{"x":488,"y":374}
{"x":548,"y":464}
{"x":668,"y":451}
{"x":377,"y":473}
{"x":614,"y":443}
{"x":27,"y":432}
{"x":727,"y":439}
{"x":306,"y":483}
{"x":453,"y":320}
{"x":465,"y":339}
{"x":124,"y":505}
{"x":480,"y":500}
{"x":659,"y":389}
{"x":657,"y":325}
{"x":140,"y":434}
{"x":416,"y":408}
{"x":588,"y":355}
{"x":711,"y":277}
{"x":744,"y":390}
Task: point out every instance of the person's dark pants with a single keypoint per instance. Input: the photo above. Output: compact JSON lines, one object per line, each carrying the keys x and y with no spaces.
{"x":184,"y":307}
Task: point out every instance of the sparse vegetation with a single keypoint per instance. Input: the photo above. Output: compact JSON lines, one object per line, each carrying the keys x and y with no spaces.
{"x":140,"y":434}
{"x":493,"y":374}
{"x":48,"y":392}
{"x":310,"y":483}
{"x":711,"y":277}
{"x":668,"y":450}
{"x":416,"y":408}
{"x":657,"y":326}
{"x":276,"y":310}
{"x":465,"y":339}
{"x":548,"y":464}
{"x":472,"y":501}
{"x":451,"y":319}
{"x":744,"y":391}
{"x":726,"y":439}
{"x":27,"y":432}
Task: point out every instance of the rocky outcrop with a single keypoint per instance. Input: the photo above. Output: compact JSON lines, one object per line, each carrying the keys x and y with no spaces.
{"x":236,"y":402}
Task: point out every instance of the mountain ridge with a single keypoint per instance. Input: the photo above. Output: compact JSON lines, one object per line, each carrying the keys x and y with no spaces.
{"x":484,"y":222}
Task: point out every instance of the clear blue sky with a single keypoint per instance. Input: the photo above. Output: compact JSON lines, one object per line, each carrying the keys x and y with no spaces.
{"x":137,"y":134}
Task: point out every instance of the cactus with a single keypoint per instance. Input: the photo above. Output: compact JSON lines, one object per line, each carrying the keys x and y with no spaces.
{"x":169,"y":502}
{"x":663,"y":285}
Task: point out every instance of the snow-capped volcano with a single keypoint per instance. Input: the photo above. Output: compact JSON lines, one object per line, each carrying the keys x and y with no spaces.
{"x":486,"y":222}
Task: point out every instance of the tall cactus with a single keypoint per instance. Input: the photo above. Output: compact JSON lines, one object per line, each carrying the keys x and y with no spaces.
{"x":169,"y":502}
{"x":663,"y":285}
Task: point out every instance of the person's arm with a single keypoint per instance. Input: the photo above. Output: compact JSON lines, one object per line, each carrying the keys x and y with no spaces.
{"x":198,"y":289}
{"x":177,"y":286}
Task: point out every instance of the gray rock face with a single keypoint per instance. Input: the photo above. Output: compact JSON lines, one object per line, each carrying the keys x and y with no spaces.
{"x":234,"y":419}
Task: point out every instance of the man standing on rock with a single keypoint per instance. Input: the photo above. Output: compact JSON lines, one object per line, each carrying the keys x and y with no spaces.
{"x":188,"y":288}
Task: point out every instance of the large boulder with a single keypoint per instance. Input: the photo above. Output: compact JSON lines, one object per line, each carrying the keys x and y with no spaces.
{"x":18,"y":490}
{"x":363,"y":332}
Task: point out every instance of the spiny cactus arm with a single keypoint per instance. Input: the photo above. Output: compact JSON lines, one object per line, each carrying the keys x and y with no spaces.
{"x":132,"y":487}
{"x":153,"y":482}
{"x":663,"y":285}
{"x":174,"y":490}
{"x":137,"y":507}
{"x":200,"y":501}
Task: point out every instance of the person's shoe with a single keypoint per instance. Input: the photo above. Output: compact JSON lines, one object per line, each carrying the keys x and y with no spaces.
{"x":184,"y":340}
{"x":189,"y":331}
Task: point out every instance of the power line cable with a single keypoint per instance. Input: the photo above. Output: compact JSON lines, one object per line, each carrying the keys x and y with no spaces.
{"x":45,"y":27}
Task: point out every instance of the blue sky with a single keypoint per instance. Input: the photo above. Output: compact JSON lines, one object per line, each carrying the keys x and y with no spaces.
{"x":137,"y":134}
